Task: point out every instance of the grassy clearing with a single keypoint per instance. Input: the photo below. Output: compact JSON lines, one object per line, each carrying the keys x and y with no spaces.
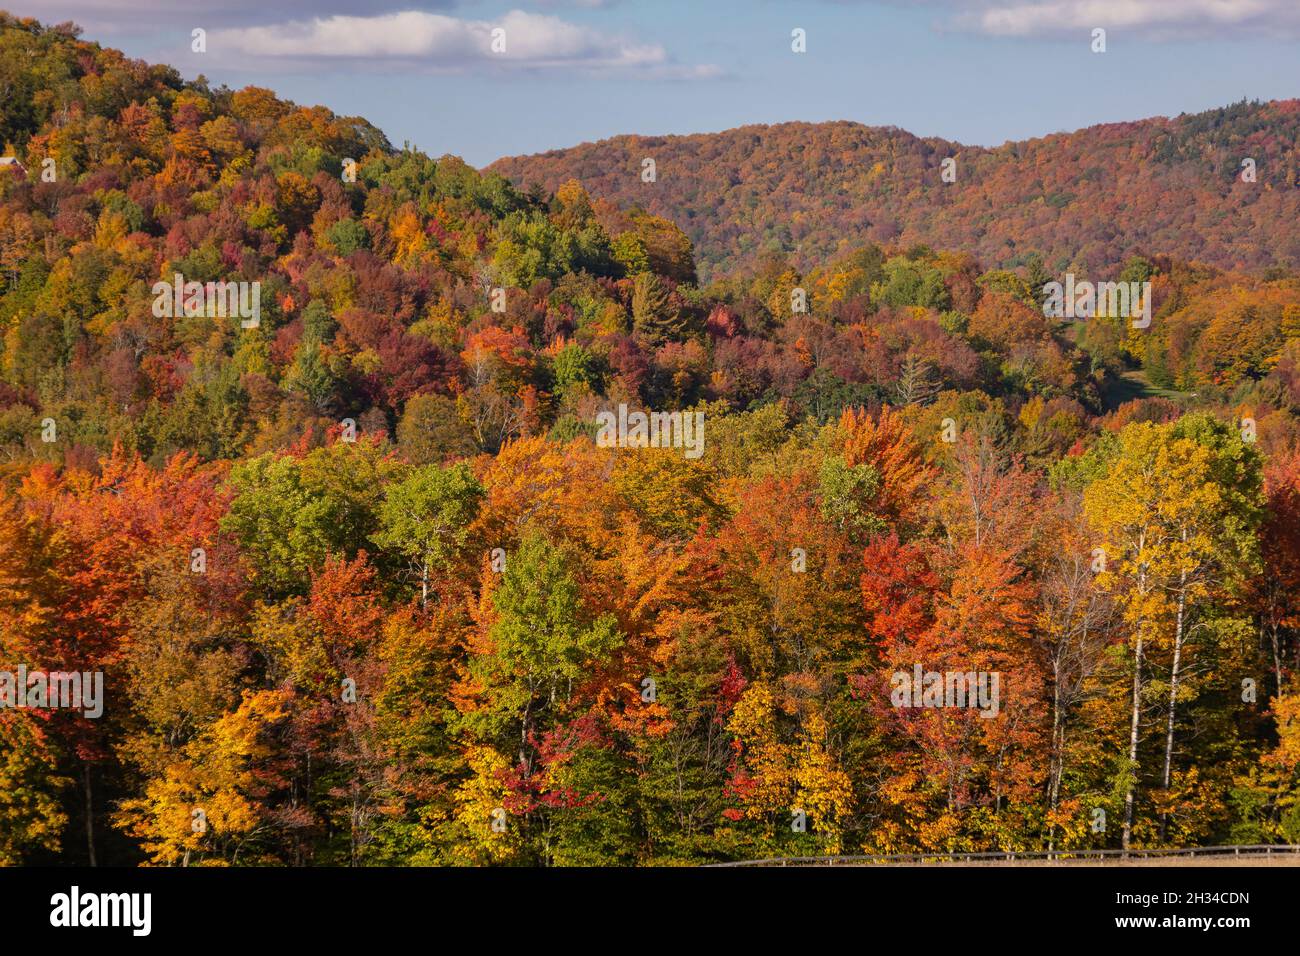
{"x":1134,"y":384}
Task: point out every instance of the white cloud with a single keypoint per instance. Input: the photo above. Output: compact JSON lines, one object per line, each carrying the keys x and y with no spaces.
{"x":439,"y":42}
{"x":1152,"y":19}
{"x":114,"y":16}
{"x":1212,"y":18}
{"x":589,"y":4}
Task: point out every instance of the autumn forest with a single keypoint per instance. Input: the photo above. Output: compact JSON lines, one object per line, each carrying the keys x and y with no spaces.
{"x":367,"y":582}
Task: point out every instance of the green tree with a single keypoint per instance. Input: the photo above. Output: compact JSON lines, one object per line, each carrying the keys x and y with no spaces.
{"x":847,"y":492}
{"x":426,"y":517}
{"x":431,"y":430}
{"x":654,"y":315}
{"x":289,"y":514}
{"x":629,"y":251}
{"x":543,"y":642}
{"x":348,"y":236}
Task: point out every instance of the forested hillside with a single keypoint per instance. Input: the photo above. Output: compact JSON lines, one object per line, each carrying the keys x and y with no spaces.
{"x":1088,"y":199}
{"x":364,"y":588}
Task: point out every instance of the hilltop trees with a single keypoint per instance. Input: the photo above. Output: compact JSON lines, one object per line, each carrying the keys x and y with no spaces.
{"x":814,"y":187}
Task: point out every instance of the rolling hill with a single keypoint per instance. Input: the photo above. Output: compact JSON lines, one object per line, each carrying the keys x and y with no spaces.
{"x":1092,"y":197}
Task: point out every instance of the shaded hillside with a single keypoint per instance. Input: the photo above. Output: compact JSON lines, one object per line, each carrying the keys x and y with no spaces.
{"x":1093,"y":197}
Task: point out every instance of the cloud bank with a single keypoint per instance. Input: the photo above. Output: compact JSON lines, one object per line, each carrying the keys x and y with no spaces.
{"x":517,"y":40}
{"x":1150,"y":19}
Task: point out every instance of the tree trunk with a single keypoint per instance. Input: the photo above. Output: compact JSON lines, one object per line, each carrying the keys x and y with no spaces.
{"x":523,"y":730}
{"x":356,"y":813}
{"x":1173,"y":697}
{"x":90,"y":813}
{"x":1277,"y":657}
{"x":1133,"y":745}
{"x":1054,"y":769}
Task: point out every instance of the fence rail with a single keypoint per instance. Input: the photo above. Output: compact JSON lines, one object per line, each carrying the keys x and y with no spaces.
{"x":1045,"y":856}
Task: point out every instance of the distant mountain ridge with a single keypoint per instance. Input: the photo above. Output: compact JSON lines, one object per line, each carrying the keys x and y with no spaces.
{"x":1088,"y":199}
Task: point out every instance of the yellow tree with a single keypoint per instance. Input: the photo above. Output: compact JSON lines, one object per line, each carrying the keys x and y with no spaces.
{"x":483,"y":805}
{"x":1176,"y":501}
{"x":211,"y":800}
{"x":822,"y":789}
{"x":803,"y":778}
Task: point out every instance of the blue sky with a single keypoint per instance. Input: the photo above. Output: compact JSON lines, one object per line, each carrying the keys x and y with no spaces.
{"x":976,"y":71}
